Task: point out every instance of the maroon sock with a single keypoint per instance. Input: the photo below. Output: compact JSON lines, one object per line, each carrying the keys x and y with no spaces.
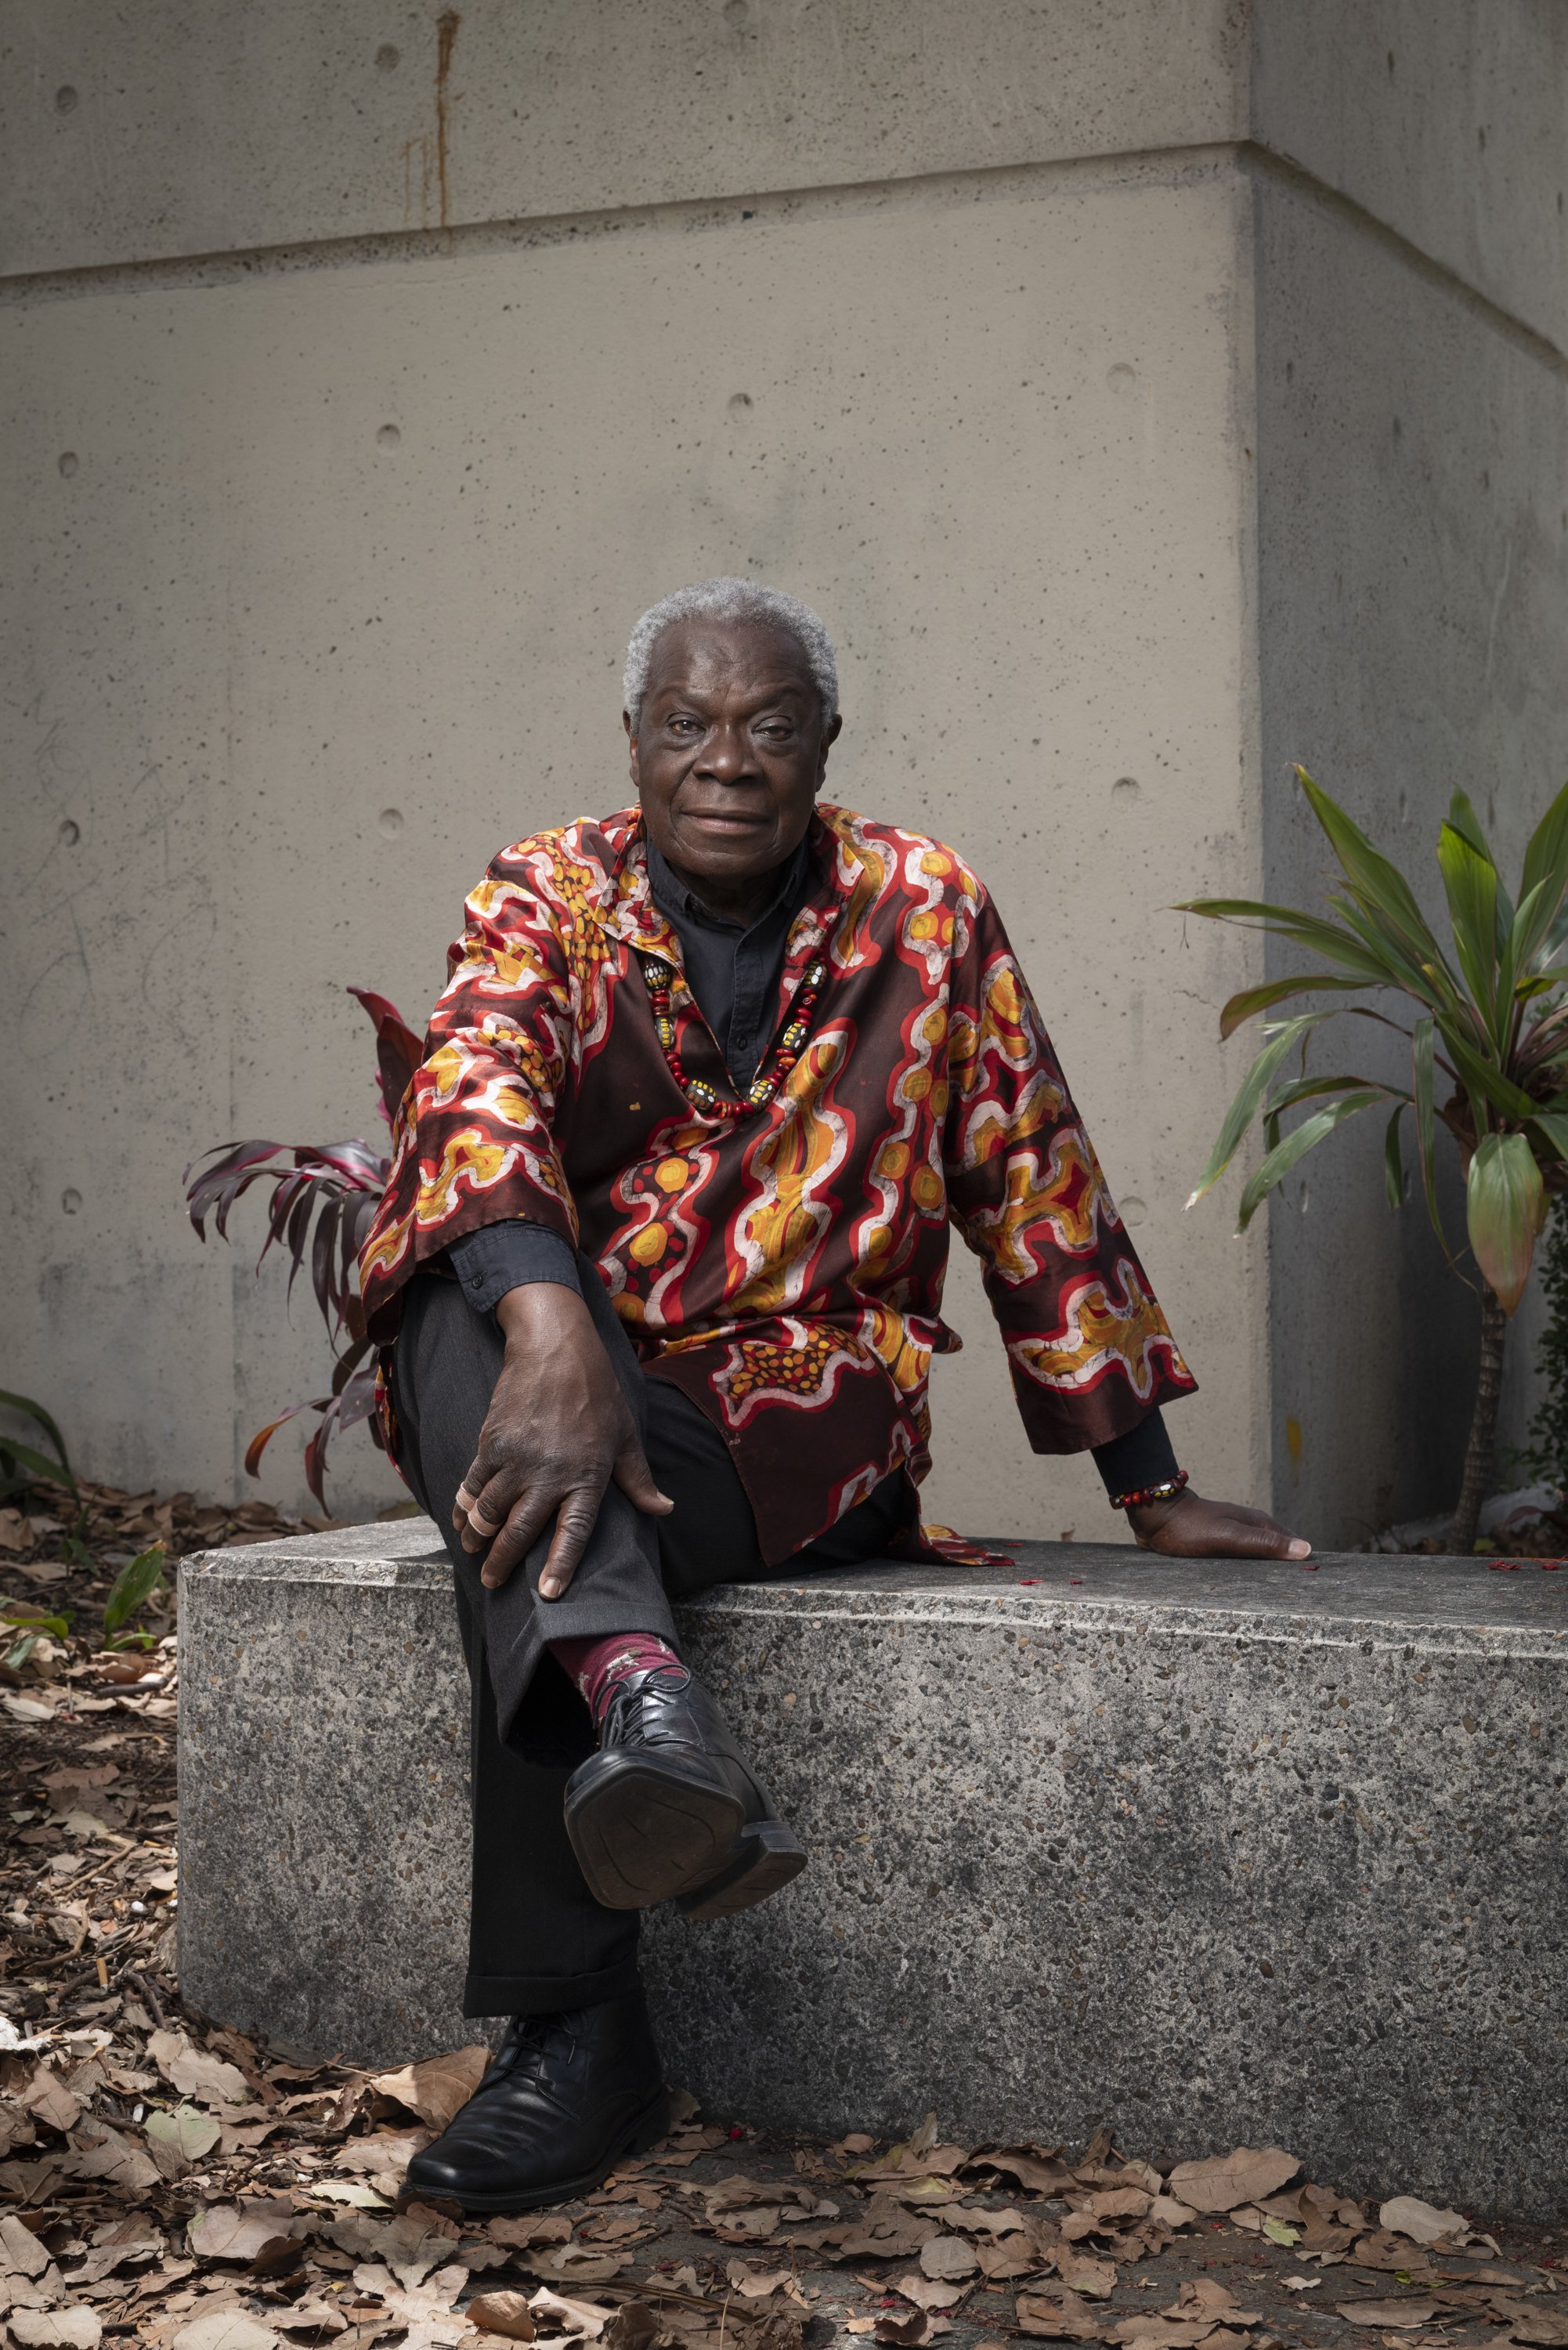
{"x":598,"y":1666}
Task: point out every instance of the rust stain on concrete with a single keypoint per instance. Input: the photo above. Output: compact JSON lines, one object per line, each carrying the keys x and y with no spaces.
{"x":447,"y":24}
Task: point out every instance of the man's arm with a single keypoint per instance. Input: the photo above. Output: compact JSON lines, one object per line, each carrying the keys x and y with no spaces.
{"x":473,"y":1143}
{"x":557,"y":1430}
{"x":1091,"y":1352}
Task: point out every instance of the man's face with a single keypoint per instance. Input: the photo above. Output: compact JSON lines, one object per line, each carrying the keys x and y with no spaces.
{"x":731,"y":750}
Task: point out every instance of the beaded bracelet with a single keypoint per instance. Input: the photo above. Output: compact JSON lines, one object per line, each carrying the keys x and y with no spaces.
{"x":1166,"y":1492}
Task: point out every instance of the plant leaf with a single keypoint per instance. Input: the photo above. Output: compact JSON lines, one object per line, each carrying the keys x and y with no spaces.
{"x":1470,"y":880}
{"x":1505,"y":1207}
{"x":38,"y":1465}
{"x":1553,"y":1126}
{"x":1275,"y":990}
{"x":1468,"y":825}
{"x":1482,"y":1077}
{"x":19,"y":1612}
{"x":135,"y":1582}
{"x":1295,"y":1148}
{"x":1307,"y":930}
{"x":1423,"y":1053}
{"x":1393,"y":1162}
{"x":40,"y":1419}
{"x":399,"y":1052}
{"x":1378,"y":886}
{"x":1253,"y":1086}
{"x":1546,"y":868}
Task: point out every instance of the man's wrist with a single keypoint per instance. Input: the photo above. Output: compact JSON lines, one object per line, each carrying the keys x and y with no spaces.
{"x":534,"y":1308}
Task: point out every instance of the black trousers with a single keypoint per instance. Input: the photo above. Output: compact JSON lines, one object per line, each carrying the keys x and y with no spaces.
{"x":537,"y":1938}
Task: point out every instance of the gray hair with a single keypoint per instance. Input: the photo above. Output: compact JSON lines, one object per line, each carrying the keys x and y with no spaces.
{"x":731,"y":599}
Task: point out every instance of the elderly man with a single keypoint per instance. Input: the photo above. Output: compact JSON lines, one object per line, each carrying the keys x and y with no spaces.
{"x":659,"y":1272}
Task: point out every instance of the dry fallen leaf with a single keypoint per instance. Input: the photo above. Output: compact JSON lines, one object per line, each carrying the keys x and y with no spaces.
{"x":553,"y":2312}
{"x":224,"y":2329}
{"x":575,"y":2265}
{"x":73,"y":2328}
{"x":1058,"y":2316}
{"x":926,"y":2293}
{"x":1227,"y":2181}
{"x":437,"y":2089}
{"x":1406,"y":2215}
{"x":530,"y":2228}
{"x":1082,"y":2274}
{"x":231,"y":2232}
{"x":948,"y":2258}
{"x":1397,"y":2313}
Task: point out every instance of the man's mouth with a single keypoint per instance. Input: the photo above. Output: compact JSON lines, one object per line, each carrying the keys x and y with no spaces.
{"x":723,"y":820}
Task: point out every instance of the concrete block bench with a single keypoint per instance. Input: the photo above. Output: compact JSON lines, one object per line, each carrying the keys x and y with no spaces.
{"x":1214,"y":1853}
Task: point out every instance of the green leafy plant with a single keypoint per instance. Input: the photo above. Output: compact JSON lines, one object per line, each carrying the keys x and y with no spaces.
{"x":1489,"y":1018}
{"x":324,"y":1197}
{"x":32,"y":1623}
{"x":21,"y":1466}
{"x":132,"y":1587}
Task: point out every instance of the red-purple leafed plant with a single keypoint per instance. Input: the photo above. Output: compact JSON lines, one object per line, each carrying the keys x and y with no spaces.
{"x":324,"y":1196}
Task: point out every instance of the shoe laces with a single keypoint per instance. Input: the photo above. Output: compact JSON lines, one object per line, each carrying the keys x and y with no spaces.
{"x":623,"y":1713}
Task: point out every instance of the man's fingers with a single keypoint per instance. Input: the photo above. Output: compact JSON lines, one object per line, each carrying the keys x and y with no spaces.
{"x":635,"y":1478}
{"x":575,"y":1523}
{"x":523,"y":1519}
{"x":1249,"y":1534}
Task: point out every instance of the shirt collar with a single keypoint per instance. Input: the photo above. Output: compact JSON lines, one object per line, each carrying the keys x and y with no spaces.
{"x":674,"y":898}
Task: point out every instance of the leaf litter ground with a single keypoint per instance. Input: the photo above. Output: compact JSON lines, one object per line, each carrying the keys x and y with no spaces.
{"x":165,"y":2180}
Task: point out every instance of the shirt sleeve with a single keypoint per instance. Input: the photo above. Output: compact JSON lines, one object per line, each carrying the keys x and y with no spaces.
{"x":1144,"y":1456}
{"x":1089,"y":1348}
{"x":511,"y":1255}
{"x":473,"y":1142}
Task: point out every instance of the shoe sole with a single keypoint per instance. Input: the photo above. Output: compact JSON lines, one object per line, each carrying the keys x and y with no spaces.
{"x":771,"y":1855}
{"x":646,"y":2130}
{"x":643,"y":1835}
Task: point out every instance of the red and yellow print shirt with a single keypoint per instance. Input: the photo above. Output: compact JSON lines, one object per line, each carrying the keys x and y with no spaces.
{"x":785,"y":1268}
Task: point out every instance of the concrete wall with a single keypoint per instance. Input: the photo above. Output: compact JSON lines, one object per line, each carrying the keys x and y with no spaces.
{"x":325,"y":525}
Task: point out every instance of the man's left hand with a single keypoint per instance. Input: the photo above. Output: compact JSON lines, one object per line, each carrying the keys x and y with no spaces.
{"x":1187,"y":1526}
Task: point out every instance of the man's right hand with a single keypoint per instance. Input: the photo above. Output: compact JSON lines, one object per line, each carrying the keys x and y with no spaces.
{"x":558,"y":1428}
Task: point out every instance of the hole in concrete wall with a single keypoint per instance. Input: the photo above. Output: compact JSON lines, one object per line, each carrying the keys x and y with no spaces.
{"x":1133,"y":1214}
{"x":70,"y":1202}
{"x":391,"y":822}
{"x":737,"y":15}
{"x":1122,"y":378}
{"x":388,"y":58}
{"x":739,"y":403}
{"x":70,"y":832}
{"x":1390,"y":60}
{"x":65,"y":101}
{"x":1125,"y":792}
{"x":388,"y":437}
{"x":68,"y":463}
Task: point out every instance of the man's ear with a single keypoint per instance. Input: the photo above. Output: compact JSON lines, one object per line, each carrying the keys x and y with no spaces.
{"x":632,"y":740}
{"x":830,"y":733}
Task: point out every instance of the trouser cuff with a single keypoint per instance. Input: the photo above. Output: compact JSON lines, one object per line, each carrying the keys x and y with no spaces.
{"x":545,"y":1994}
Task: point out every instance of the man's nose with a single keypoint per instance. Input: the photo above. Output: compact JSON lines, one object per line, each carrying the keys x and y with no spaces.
{"x":727,"y":754}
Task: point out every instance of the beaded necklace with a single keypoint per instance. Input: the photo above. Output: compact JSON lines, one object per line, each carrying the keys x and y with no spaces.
{"x":657,"y":975}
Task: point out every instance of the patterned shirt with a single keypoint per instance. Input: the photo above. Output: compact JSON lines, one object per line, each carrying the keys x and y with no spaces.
{"x":784,"y":1268}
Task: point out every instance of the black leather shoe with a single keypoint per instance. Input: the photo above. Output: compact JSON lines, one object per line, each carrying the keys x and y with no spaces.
{"x":669,"y":1809}
{"x":567,"y":2097}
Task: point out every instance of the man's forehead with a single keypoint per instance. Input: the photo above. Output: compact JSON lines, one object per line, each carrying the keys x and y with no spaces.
{"x":702,"y":653}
